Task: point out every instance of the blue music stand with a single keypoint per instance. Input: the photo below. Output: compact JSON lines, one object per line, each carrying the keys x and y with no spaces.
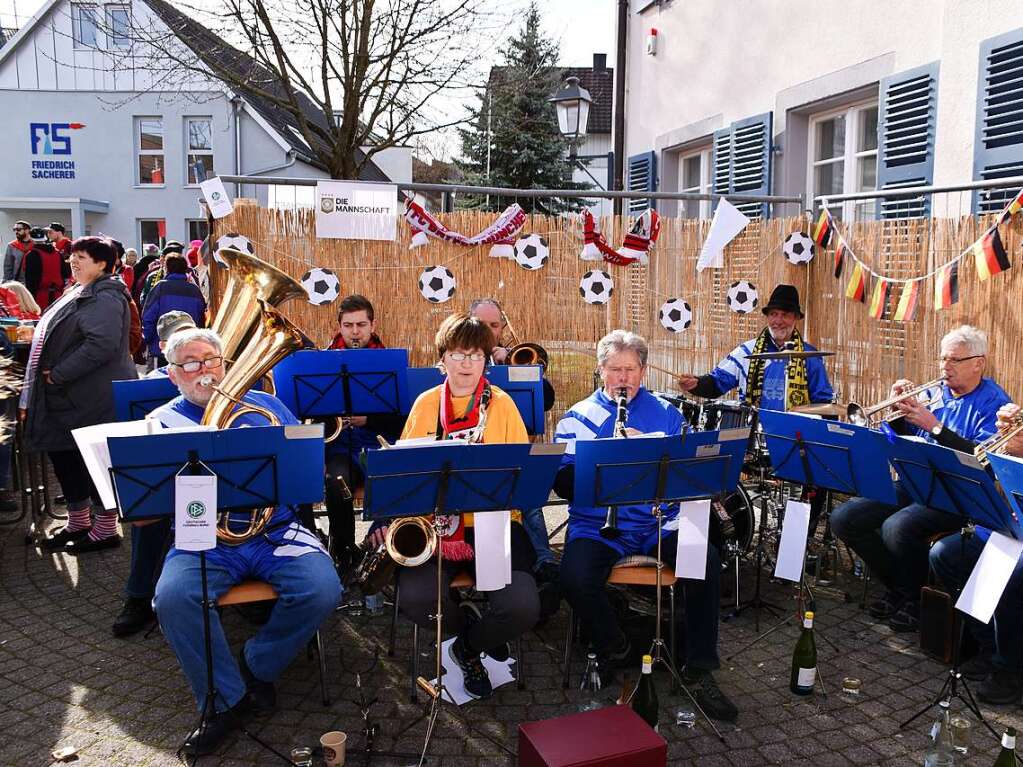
{"x":339,"y":382}
{"x":1009,"y":472}
{"x":523,"y":383}
{"x":255,"y":466}
{"x":455,"y":478}
{"x":137,"y":398}
{"x":836,"y":456}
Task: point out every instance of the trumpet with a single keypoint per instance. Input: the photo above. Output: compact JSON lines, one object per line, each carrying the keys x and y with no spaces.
{"x":527,"y":354}
{"x":887,"y":411}
{"x":997,"y":442}
{"x":610,"y":529}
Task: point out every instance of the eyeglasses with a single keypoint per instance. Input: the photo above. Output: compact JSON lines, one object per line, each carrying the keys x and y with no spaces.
{"x":956,"y":360}
{"x":194,"y":366}
{"x":475,"y":356}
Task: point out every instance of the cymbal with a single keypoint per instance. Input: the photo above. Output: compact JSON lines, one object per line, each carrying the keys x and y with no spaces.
{"x":820,"y":408}
{"x":793,"y":355}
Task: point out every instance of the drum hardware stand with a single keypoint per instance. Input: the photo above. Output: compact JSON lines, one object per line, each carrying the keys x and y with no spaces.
{"x":369,"y":727}
{"x":954,"y":679}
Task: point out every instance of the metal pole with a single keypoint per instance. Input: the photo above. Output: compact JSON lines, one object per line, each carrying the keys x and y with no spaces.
{"x":916,"y":191}
{"x":619,"y":101}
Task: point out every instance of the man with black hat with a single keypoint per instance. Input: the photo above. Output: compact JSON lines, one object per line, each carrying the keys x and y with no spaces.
{"x":46,"y":271}
{"x":58,"y":236}
{"x":769,"y":384}
{"x":17,"y":249}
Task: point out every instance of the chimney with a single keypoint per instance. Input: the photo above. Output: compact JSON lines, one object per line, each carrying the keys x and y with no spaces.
{"x":600,"y":61}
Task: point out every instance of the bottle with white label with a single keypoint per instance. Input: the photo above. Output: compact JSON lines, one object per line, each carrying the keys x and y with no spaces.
{"x":1007,"y":756}
{"x":804,"y":659}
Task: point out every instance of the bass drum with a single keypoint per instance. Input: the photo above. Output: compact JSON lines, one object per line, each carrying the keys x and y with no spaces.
{"x":731,"y":524}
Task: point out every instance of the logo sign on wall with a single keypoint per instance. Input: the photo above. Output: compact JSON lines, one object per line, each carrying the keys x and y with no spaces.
{"x":52,"y":140}
{"x":355,"y":210}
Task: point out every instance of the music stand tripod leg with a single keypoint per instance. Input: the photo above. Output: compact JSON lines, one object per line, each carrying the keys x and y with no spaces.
{"x":756,"y":601}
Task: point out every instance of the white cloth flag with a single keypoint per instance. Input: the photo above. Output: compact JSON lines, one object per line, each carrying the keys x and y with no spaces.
{"x":989,"y":577}
{"x":728,"y":222}
{"x":691,"y":547}
{"x":492,"y":542}
{"x":793,"y":541}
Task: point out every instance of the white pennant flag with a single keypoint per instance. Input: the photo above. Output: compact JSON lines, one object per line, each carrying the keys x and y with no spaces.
{"x":728,"y":222}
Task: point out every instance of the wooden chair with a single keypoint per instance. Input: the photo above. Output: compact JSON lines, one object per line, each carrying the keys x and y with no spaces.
{"x":248,"y":592}
{"x":630,"y":571}
{"x":462,"y":580}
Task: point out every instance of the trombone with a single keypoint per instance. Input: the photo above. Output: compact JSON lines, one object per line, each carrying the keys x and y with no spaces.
{"x":887,"y":411}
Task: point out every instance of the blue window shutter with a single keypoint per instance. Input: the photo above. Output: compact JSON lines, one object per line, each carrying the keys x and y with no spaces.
{"x":721,"y":174}
{"x":751,"y":162}
{"x":998,"y":142}
{"x":906,"y":123}
{"x":642,"y":177}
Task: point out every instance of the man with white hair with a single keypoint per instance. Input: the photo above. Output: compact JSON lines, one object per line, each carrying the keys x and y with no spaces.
{"x":894,"y":540}
{"x":287,"y":556}
{"x":589,"y":557}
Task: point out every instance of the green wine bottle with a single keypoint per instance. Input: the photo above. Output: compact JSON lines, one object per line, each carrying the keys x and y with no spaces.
{"x":1007,"y":756}
{"x":804,"y":660}
{"x":644,"y":701}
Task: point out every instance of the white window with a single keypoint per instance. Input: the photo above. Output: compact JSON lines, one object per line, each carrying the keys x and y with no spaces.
{"x":843,"y":157}
{"x":149,"y":150}
{"x":694,"y":176}
{"x":119,"y":26}
{"x":85,"y":25}
{"x":199,"y":135}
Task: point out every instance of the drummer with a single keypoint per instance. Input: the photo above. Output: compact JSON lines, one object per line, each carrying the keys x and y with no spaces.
{"x":769,"y":384}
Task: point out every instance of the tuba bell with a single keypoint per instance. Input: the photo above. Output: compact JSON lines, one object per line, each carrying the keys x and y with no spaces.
{"x":257,"y":337}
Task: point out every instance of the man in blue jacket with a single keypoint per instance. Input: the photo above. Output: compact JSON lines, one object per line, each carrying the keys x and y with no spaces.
{"x":175,"y":292}
{"x":588,"y":557}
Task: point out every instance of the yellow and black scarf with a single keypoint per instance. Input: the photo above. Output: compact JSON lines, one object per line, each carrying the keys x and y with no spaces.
{"x":798,"y":388}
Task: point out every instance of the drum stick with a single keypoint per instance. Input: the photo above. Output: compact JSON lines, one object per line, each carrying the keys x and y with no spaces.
{"x":649,"y":365}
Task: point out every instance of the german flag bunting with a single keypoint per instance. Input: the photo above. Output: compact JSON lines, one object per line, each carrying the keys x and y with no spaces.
{"x":946,"y":286}
{"x":840,"y":250}
{"x":990,"y":255}
{"x":1013,"y":208}
{"x":823,"y":230}
{"x":879,"y":298}
{"x":907,"y":302}
{"x":857,"y":287}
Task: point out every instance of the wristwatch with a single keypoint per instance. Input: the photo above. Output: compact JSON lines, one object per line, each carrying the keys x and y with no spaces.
{"x":937,"y":429}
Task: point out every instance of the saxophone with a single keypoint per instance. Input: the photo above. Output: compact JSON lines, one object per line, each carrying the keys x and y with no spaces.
{"x":610,"y":529}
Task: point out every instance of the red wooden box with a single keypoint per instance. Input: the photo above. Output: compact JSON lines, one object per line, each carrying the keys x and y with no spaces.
{"x":608,"y":737}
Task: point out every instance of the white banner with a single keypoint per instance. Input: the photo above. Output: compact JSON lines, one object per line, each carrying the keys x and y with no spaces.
{"x":216,"y":197}
{"x":356,"y":210}
{"x":195,"y":512}
{"x":728,"y":222}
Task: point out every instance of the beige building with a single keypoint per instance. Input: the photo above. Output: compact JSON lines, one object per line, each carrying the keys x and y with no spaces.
{"x":819,"y":97}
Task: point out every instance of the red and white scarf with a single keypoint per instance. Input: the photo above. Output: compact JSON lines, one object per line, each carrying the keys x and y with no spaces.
{"x":501,"y":234}
{"x":636,"y":247}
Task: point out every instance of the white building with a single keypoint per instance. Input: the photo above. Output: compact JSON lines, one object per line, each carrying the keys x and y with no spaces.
{"x":823,"y":96}
{"x":94,"y":139}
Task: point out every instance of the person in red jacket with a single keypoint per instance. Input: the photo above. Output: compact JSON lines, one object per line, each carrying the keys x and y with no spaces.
{"x":46,"y":272}
{"x":55,"y":233}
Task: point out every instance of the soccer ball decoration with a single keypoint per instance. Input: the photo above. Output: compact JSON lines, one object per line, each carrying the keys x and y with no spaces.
{"x":437,"y":284}
{"x":675,"y":315}
{"x":532,"y":251}
{"x":322,"y":285}
{"x":742,"y":297}
{"x":596,"y":287}
{"x":798,"y":248}
{"x":234,"y":242}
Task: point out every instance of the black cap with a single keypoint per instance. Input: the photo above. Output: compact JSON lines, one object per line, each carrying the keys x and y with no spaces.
{"x":56,"y":226}
{"x":38,"y":235}
{"x":173,"y":246}
{"x":786,"y":298}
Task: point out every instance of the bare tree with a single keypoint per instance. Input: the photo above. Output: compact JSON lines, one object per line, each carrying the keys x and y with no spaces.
{"x":352,"y":77}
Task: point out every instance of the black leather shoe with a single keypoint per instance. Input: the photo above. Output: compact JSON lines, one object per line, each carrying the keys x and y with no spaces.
{"x":1001,"y":687}
{"x":85,"y":545}
{"x":907,"y":619}
{"x":977,"y":668}
{"x":705,"y":690}
{"x":885,"y":607}
{"x":62,"y":537}
{"x":204,"y":740}
{"x":136,"y":615}
{"x":8,"y":503}
{"x":262,"y":696}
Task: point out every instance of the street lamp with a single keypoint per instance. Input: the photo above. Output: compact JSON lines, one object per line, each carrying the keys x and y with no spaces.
{"x":573,"y":105}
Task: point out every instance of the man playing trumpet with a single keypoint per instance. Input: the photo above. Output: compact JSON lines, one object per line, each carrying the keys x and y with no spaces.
{"x":894,"y":540}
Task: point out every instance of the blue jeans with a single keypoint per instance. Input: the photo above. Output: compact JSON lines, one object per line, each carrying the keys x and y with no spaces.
{"x":148,"y":546}
{"x":308,"y":590}
{"x":893,"y":540}
{"x":585,"y":568}
{"x":536,"y":529}
{"x":952,"y":560}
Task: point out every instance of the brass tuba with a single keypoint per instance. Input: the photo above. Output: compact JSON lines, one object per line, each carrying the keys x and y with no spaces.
{"x":256,"y":336}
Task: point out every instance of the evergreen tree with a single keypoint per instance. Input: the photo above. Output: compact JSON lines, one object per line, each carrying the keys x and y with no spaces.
{"x":527,"y":149}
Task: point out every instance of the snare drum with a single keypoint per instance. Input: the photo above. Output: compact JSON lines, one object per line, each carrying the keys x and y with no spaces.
{"x":727,"y":414}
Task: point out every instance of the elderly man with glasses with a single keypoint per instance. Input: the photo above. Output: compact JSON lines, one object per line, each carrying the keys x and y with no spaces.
{"x":17,"y":249}
{"x":287,"y":556}
{"x":894,"y":540}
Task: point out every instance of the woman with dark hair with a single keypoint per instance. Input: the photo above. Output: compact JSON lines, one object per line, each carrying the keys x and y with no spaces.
{"x":174,"y":293}
{"x":79,"y":347}
{"x":467,"y":407}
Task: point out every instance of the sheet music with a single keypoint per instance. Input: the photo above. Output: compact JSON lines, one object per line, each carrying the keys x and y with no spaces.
{"x":92,"y":443}
{"x":793,"y":541}
{"x":990,"y":576}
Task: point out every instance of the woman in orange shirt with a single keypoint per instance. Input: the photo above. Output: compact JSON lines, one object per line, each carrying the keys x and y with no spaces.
{"x":454,"y":410}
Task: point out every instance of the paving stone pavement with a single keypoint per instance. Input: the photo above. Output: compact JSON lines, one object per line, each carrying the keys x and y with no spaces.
{"x":65,"y":681}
